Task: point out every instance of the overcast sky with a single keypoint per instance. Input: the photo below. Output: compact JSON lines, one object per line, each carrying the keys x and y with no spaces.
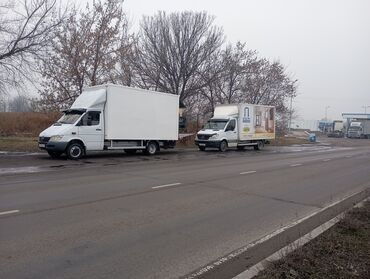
{"x":325,"y":44}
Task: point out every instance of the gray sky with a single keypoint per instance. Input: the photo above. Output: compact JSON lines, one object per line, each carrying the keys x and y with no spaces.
{"x":325,"y":44}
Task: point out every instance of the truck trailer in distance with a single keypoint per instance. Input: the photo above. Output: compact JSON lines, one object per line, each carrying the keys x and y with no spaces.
{"x":337,"y":129}
{"x":359,"y":128}
{"x":238,"y":125}
{"x":111,"y":117}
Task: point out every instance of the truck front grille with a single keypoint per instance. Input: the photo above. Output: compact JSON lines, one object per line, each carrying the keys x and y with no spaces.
{"x":203,"y":137}
{"x":44,"y":139}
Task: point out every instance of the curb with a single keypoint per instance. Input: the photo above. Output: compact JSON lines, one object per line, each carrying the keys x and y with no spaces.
{"x":246,"y":257}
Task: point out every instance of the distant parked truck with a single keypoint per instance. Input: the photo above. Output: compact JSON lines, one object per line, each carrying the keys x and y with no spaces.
{"x":337,"y":129}
{"x":111,"y":117}
{"x":359,"y":129}
{"x":238,"y":125}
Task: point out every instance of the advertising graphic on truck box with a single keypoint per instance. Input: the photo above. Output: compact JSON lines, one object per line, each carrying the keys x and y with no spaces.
{"x":257,"y":122}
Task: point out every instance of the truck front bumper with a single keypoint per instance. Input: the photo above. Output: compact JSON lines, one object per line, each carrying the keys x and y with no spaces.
{"x":208,"y":143}
{"x":53,"y":146}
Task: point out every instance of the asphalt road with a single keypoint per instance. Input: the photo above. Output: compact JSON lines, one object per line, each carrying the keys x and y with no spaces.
{"x":119,"y":216}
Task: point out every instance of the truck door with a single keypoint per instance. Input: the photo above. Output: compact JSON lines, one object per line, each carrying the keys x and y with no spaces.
{"x":231,"y":133}
{"x":91,"y":130}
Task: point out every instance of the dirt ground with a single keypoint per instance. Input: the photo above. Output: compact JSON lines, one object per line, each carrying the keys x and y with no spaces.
{"x":343,"y":251}
{"x":345,"y":142}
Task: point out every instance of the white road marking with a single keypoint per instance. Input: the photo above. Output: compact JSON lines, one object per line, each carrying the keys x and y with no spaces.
{"x":296,"y":165}
{"x":248,"y":172}
{"x":19,"y":170}
{"x":9,"y":212}
{"x":166,"y":185}
{"x":326,"y":160}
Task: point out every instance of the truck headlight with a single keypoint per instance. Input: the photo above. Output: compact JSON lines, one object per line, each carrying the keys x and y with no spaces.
{"x":214,"y":136}
{"x":56,"y":138}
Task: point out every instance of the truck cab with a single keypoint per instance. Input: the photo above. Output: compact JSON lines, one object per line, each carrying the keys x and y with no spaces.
{"x":77,"y":131}
{"x":218,"y":133}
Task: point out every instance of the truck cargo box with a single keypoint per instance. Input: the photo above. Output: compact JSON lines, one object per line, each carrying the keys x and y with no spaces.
{"x":254,"y":121}
{"x":137,"y":114}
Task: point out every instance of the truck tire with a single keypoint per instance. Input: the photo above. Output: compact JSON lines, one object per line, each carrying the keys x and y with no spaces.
{"x":151,"y":148}
{"x":223,"y":146}
{"x":75,"y":151}
{"x":260,"y":144}
{"x":202,"y":148}
{"x":54,"y":154}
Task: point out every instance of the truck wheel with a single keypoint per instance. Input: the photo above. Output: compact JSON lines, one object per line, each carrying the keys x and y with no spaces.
{"x":54,"y":154}
{"x":223,"y":146}
{"x":75,"y":151}
{"x":259,"y":145}
{"x":202,"y":148}
{"x":151,"y":148}
{"x":130,"y":151}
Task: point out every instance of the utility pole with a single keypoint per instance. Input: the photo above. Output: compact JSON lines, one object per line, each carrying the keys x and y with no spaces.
{"x":291,"y":109}
{"x":326,"y":113}
{"x":326,"y":118}
{"x":365,"y":107}
{"x":290,"y":113}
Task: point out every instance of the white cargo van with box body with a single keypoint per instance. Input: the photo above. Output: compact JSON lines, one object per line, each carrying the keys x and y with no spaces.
{"x":110,"y":117}
{"x":238,"y":125}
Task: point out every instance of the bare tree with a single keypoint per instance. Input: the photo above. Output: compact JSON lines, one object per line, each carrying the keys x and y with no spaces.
{"x":20,"y":103}
{"x":172,"y":51}
{"x":25,"y":29}
{"x":86,"y":51}
{"x":231,"y":68}
{"x":240,"y":76}
{"x":268,"y":83}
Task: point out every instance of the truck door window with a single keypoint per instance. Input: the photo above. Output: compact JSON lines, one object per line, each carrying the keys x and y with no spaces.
{"x":231,"y":125}
{"x":92,"y":118}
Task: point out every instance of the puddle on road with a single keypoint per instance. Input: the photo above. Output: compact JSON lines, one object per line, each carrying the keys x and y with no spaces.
{"x":19,"y":170}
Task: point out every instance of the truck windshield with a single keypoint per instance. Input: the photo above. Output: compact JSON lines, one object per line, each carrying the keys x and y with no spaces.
{"x":70,"y":117}
{"x":215,"y":124}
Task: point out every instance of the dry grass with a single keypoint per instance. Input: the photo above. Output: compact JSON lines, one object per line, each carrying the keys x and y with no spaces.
{"x":341,"y":252}
{"x":28,"y":124}
{"x":25,"y":144}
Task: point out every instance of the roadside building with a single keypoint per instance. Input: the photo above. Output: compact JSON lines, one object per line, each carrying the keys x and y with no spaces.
{"x":302,"y":124}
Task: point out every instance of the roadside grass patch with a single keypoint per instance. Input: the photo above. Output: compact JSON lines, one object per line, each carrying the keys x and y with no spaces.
{"x":343,"y":251}
{"x":22,"y":144}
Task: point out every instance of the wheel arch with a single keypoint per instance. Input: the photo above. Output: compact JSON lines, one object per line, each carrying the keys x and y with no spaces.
{"x":77,"y":140}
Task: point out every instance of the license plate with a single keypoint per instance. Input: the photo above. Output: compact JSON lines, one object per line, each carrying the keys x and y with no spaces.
{"x":202,"y":144}
{"x":41,"y":145}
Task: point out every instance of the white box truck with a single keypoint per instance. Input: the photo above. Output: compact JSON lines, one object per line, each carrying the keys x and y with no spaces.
{"x":238,"y":125}
{"x":359,"y":128}
{"x":110,"y":117}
